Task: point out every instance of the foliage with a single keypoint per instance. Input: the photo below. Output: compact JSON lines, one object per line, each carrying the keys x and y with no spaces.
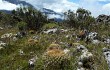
{"x":82,"y":14}
{"x":28,"y":18}
{"x":10,"y":58}
{"x":22,"y":25}
{"x":50,"y":25}
{"x":7,"y":19}
{"x":34,"y":18}
{"x":70,"y":18}
{"x":82,"y":18}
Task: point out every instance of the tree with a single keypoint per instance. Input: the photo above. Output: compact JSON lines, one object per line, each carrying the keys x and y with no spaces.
{"x":34,"y":18}
{"x":82,"y":18}
{"x":70,"y":18}
{"x":82,"y":14}
{"x":7,"y":19}
{"x":22,"y":26}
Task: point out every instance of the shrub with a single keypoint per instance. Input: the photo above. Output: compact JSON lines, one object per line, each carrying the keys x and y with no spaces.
{"x":22,"y":25}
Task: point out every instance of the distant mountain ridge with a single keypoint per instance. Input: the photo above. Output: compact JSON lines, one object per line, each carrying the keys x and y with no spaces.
{"x":50,"y":13}
{"x":6,"y":11}
{"x":18,"y":2}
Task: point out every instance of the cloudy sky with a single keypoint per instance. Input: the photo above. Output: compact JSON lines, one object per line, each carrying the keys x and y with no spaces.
{"x":95,"y":6}
{"x":6,"y":5}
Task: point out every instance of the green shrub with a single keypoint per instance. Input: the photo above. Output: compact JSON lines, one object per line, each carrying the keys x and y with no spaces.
{"x":22,"y":25}
{"x":50,"y":25}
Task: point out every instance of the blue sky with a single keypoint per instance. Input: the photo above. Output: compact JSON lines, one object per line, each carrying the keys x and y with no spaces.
{"x":97,"y":7}
{"x":76,"y":1}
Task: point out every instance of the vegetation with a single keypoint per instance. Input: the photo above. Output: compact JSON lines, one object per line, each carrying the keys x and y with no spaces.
{"x":22,"y":26}
{"x":82,"y":18}
{"x":34,"y":18}
{"x":31,"y":20}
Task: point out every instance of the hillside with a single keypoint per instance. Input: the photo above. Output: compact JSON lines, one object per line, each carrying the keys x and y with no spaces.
{"x":30,"y":41}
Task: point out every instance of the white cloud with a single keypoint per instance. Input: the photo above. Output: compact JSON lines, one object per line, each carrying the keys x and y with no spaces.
{"x":56,"y":5}
{"x":94,"y":6}
{"x":63,"y":5}
{"x":104,"y":0}
{"x":54,"y":16}
{"x":4,"y":5}
{"x":96,"y":0}
{"x":106,"y":8}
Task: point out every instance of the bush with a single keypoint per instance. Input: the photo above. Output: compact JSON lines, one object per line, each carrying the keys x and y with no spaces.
{"x":50,"y":25}
{"x":22,"y":25}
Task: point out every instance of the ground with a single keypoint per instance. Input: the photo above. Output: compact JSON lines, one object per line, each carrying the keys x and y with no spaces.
{"x":10,"y":58}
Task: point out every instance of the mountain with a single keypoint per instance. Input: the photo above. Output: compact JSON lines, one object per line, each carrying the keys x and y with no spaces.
{"x":6,"y":11}
{"x":18,"y":2}
{"x":50,"y":13}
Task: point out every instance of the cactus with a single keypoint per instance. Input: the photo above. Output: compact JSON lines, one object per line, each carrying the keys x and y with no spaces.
{"x":32,"y":32}
{"x":32,"y":42}
{"x":55,"y":58}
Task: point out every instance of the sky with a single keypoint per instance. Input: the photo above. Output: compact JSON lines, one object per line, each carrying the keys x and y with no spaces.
{"x":7,"y":6}
{"x":96,"y":7}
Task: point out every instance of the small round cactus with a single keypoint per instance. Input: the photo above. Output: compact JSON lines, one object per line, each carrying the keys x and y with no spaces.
{"x":55,"y":58}
{"x":32,"y":32}
{"x":32,"y":42}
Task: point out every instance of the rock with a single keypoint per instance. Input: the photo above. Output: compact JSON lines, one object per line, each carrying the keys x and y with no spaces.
{"x":105,"y":49}
{"x":1,"y":28}
{"x":80,"y":63}
{"x":63,"y":30}
{"x":92,"y":35}
{"x":107,"y":41}
{"x":66,"y":51}
{"x":81,"y":68}
{"x":86,"y":55}
{"x":7,"y":35}
{"x":85,"y":60}
{"x":95,"y":41}
{"x":2,"y":43}
{"x":50,"y":31}
{"x":15,"y":38}
{"x":67,"y":36}
{"x":35,"y":37}
{"x":103,"y":18}
{"x":32,"y":61}
{"x":106,"y":53}
{"x":81,"y":48}
{"x":1,"y":48}
{"x":21,"y":52}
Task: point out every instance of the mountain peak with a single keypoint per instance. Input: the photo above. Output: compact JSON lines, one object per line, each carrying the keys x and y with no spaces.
{"x":51,"y":14}
{"x":18,"y":2}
